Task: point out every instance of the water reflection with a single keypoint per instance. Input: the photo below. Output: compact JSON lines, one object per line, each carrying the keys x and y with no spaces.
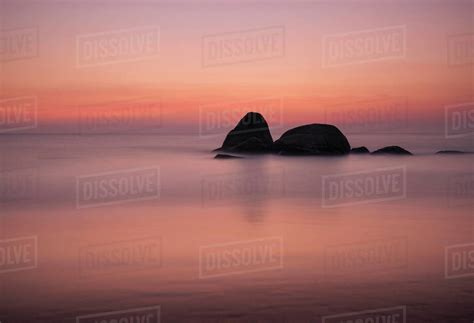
{"x":334,"y":260}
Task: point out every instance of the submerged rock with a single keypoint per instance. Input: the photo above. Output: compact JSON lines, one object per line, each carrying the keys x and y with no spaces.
{"x":312,"y":139}
{"x":391,"y":150}
{"x":360,"y":150}
{"x":225,"y":156}
{"x":250,"y":135}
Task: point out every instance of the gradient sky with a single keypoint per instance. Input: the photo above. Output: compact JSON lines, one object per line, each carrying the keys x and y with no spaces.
{"x":177,"y":79}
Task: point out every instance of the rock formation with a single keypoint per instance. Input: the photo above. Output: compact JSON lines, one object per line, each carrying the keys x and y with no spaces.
{"x":251,"y":135}
{"x":360,"y":150}
{"x":391,"y":150}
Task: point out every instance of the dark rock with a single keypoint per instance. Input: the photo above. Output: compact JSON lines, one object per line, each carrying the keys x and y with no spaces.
{"x":392,"y":150}
{"x":225,"y":156}
{"x":312,"y":139}
{"x":250,"y":135}
{"x":451,"y":152}
{"x":360,"y":150}
{"x":250,"y":145}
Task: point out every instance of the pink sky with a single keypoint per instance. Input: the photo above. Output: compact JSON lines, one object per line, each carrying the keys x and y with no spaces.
{"x":421,"y":74}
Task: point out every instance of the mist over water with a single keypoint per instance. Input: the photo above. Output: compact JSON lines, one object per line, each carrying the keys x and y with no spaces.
{"x":264,"y":238}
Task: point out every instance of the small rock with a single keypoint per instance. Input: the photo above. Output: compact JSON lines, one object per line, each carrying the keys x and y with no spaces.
{"x":391,"y":150}
{"x":225,"y":156}
{"x":451,"y":152}
{"x":360,"y":150}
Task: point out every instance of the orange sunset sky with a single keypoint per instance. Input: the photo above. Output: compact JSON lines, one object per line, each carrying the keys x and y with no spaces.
{"x":176,"y":77}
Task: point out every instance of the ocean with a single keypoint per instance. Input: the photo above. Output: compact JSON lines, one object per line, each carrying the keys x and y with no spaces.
{"x":132,"y":227}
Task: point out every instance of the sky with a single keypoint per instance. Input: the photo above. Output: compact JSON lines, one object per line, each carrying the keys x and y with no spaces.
{"x":196,"y":56}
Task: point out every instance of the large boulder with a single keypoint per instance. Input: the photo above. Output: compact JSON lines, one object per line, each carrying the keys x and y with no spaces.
{"x":250,"y":135}
{"x":391,"y":150}
{"x":312,"y":139}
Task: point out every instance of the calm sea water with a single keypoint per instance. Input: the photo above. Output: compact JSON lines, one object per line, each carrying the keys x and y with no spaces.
{"x":97,"y":224}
